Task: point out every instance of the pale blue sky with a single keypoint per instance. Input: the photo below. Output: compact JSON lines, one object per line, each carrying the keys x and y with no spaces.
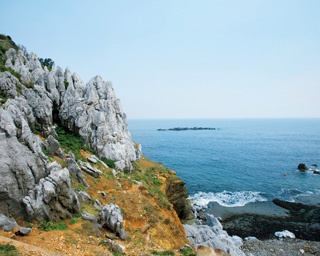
{"x":183,"y":58}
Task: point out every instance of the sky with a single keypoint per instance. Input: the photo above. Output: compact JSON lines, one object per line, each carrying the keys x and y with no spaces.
{"x":183,"y":58}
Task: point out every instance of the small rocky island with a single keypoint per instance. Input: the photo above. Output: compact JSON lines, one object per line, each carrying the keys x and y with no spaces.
{"x":189,"y":129}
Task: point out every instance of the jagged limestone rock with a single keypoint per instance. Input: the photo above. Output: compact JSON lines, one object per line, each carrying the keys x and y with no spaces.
{"x":52,"y":146}
{"x":9,"y":224}
{"x":86,"y":167}
{"x":213,"y":236}
{"x":111,"y":218}
{"x":53,"y":198}
{"x":38,"y":98}
{"x":98,"y":117}
{"x":21,"y":159}
{"x":75,"y":171}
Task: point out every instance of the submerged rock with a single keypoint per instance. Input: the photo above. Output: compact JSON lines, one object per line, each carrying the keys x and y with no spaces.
{"x":302,"y":167}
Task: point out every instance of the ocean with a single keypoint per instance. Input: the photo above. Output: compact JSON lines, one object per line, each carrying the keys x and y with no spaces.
{"x":242,"y":161}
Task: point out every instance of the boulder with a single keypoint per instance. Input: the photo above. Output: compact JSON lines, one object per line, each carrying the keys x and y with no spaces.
{"x":302,"y":167}
{"x":75,"y":171}
{"x":9,"y":224}
{"x":86,"y":167}
{"x":209,"y":251}
{"x":114,"y":246}
{"x":84,"y":197}
{"x":284,"y":234}
{"x":214,"y":237}
{"x":52,"y":146}
{"x":111,"y":218}
{"x":52,"y":198}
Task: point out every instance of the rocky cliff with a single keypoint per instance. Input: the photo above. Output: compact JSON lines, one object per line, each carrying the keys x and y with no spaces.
{"x":65,"y":149}
{"x":36,"y":100}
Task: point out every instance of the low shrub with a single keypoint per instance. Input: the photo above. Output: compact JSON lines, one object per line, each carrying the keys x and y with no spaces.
{"x":48,"y":226}
{"x":8,"y":249}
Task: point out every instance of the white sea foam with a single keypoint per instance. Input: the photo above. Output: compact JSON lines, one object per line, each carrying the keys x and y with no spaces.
{"x":226,"y":198}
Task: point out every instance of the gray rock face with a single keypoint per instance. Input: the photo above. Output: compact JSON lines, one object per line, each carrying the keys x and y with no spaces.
{"x":96,"y":114}
{"x":22,"y":162}
{"x":53,"y":147}
{"x":91,"y":110}
{"x":53,"y":198}
{"x":213,"y":236}
{"x":39,"y":98}
{"x":111,"y":218}
{"x":75,"y":171}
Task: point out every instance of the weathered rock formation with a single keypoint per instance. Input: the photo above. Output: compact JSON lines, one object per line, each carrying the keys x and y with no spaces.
{"x":53,"y":197}
{"x":111,"y":218}
{"x":90,"y":110}
{"x":177,"y":194}
{"x":212,"y":235}
{"x":35,"y":99}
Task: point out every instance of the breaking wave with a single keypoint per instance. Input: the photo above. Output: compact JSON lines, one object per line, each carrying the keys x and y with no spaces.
{"x":226,"y":198}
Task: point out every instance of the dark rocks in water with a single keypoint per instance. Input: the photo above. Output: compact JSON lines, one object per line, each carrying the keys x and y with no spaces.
{"x":303,"y":221}
{"x":189,"y":129}
{"x":302,"y":167}
{"x":314,"y":165}
{"x":316,"y":172}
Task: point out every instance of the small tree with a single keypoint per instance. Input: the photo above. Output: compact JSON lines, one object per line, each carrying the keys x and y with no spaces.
{"x":49,"y":63}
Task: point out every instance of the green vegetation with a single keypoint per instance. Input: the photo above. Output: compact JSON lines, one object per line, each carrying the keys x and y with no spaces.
{"x":109,"y":162}
{"x":187,"y":251}
{"x":3,"y":97}
{"x":48,"y":226}
{"x":47,"y":62}
{"x":66,"y":84}
{"x":166,"y":221}
{"x":152,"y":183}
{"x":71,"y":142}
{"x":164,"y":253}
{"x":5,"y":44}
{"x":8,"y":249}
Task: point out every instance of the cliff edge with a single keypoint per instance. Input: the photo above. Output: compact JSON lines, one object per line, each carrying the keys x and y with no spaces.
{"x":70,"y":170}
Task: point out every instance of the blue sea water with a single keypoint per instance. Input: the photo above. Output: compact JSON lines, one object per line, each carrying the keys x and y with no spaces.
{"x":245,"y":160}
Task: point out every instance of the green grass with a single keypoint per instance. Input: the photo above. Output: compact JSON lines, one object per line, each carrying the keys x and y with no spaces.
{"x":164,"y":253}
{"x":49,"y":226}
{"x":152,"y":183}
{"x":187,"y":251}
{"x":109,"y":162}
{"x":8,"y":249}
{"x":71,"y":142}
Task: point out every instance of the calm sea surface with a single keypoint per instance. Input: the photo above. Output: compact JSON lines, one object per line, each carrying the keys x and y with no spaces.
{"x":245,"y":160}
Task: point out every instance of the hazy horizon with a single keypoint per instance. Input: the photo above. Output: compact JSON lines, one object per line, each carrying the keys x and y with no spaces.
{"x":183,"y":59}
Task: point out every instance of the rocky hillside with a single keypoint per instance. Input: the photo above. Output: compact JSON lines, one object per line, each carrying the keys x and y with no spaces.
{"x":70,"y":171}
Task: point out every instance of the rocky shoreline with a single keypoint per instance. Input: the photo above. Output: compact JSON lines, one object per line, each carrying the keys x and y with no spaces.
{"x":257,"y":224}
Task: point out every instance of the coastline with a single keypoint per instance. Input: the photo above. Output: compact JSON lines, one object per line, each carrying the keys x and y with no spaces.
{"x":263,"y":219}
